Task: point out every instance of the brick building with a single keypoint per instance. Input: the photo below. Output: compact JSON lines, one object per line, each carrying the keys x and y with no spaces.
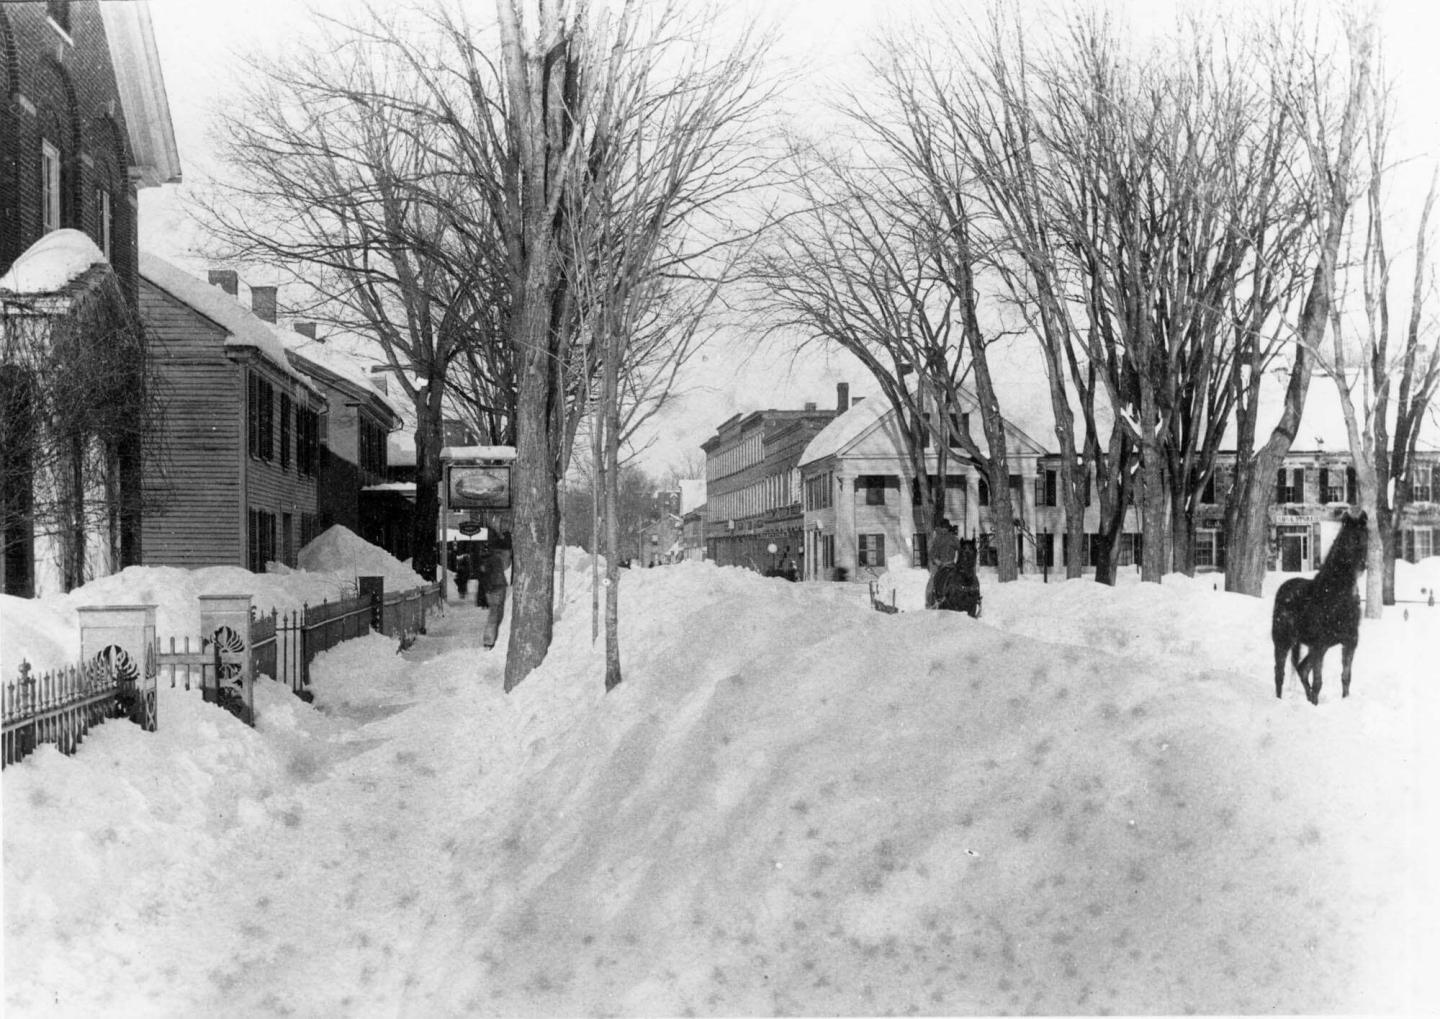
{"x":752,"y":486}
{"x":84,"y":123}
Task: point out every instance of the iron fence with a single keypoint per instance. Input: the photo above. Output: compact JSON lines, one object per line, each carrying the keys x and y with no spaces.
{"x":63,"y":705}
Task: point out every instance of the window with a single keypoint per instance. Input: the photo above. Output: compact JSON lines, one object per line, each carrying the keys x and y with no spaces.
{"x":307,"y":442}
{"x":372,"y":447}
{"x":818,"y":491}
{"x":287,"y":539}
{"x":1207,"y":495}
{"x":874,"y":486}
{"x":872,"y":549}
{"x":107,"y":222}
{"x":1418,"y":543}
{"x":984,"y":491}
{"x":49,"y":186}
{"x":1290,"y":485}
{"x":1047,"y":488}
{"x":1330,"y":486}
{"x":261,"y":540}
{"x":260,"y":401}
{"x":1421,"y":489}
{"x":285,"y":435}
{"x":1207,"y":549}
{"x":827,"y":552}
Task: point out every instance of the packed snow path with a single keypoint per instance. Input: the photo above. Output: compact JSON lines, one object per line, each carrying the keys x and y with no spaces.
{"x":1088,"y":801}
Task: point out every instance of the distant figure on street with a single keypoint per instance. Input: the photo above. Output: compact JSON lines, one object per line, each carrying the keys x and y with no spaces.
{"x":462,"y":573}
{"x":492,"y":584}
{"x":944,"y":547}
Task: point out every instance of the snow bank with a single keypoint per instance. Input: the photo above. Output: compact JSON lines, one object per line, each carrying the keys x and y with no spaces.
{"x":1087,"y":801}
{"x":46,"y":632}
{"x":341,"y":551}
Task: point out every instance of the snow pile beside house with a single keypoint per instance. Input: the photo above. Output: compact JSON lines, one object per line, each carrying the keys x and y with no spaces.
{"x":51,"y":262}
{"x":1086,"y":801}
{"x":341,"y":551}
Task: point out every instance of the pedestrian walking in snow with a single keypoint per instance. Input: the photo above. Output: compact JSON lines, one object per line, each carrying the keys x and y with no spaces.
{"x":492,"y":584}
{"x":462,"y":574}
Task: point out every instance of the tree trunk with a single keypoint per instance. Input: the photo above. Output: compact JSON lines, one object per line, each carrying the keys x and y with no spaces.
{"x":610,"y":407}
{"x":533,"y":490}
{"x":429,"y":440}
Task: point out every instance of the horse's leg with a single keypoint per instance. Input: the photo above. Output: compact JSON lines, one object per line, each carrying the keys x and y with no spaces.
{"x":1302,"y":666}
{"x":1347,"y":655}
{"x":1316,"y":657}
{"x":1280,"y":652}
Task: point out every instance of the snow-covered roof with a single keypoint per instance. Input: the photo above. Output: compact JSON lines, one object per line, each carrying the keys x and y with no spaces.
{"x":141,"y":85}
{"x":246,"y":329}
{"x":341,"y":364}
{"x":51,"y":262}
{"x":404,"y":487}
{"x":844,"y":430}
{"x":478,"y":453}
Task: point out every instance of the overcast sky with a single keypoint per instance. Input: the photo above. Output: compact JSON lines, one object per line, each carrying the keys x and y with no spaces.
{"x":199,"y":45}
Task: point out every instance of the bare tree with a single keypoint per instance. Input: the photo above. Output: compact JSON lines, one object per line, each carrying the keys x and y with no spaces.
{"x":880,"y":258}
{"x":336,"y":176}
{"x":628,"y":140}
{"x":651,"y":245}
{"x":1328,"y":107}
{"x":1384,"y":462}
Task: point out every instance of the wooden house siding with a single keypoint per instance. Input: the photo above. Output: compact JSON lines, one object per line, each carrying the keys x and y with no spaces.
{"x":208,"y":481}
{"x":192,"y":498}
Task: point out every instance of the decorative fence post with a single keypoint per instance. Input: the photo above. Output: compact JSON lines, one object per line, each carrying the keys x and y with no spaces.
{"x":123,"y":638}
{"x":225,"y":623}
{"x":374,"y":589}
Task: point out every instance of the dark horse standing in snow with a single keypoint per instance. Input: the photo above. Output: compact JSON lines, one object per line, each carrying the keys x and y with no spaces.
{"x":955,"y":586}
{"x":1322,"y":612}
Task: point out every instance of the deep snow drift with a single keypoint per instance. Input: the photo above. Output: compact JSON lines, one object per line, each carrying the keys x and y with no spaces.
{"x":1087,"y":801}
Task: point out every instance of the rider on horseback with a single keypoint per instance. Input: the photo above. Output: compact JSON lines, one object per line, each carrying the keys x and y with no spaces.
{"x":944,"y":547}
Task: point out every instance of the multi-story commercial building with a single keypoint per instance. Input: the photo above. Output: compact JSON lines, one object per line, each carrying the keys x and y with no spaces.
{"x":753,"y":514}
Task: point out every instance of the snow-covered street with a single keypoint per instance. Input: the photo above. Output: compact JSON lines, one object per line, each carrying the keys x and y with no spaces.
{"x":1087,"y":801}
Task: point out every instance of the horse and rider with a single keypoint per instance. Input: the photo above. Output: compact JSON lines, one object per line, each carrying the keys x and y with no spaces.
{"x":953,"y":583}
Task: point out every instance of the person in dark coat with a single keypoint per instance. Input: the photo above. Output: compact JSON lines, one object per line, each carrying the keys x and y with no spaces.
{"x":944,"y":547}
{"x":492,"y":585}
{"x":462,"y":574}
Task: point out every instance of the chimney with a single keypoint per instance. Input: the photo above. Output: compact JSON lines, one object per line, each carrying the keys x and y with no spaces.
{"x":378,"y":378}
{"x":842,"y":396}
{"x":305,"y":329}
{"x":857,"y":401}
{"x":227,"y":280}
{"x":262,"y":303}
{"x":810,"y":406}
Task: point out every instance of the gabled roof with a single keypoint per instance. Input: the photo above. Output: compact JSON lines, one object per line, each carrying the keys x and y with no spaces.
{"x":864,"y":418}
{"x":138,"y":79}
{"x":336,"y":368}
{"x":246,"y":329}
